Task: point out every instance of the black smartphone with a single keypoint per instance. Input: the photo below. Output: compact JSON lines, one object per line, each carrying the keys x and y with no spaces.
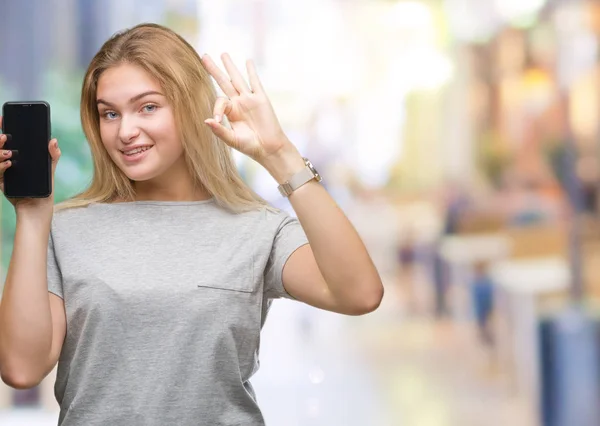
{"x":28,"y":124}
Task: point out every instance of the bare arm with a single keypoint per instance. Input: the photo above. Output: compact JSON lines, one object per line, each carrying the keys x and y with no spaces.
{"x":334,"y":272}
{"x":32,"y":321}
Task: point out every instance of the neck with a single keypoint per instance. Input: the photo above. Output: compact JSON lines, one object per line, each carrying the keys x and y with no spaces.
{"x":177,"y":186}
{"x":146,"y":192}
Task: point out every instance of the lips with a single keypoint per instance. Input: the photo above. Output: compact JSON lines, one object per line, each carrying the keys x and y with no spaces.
{"x":135,"y":155}
{"x":137,"y":150}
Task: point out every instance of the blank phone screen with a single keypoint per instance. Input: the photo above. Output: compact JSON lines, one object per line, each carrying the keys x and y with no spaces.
{"x":29,"y":127}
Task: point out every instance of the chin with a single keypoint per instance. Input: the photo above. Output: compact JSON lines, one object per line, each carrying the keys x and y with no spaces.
{"x":140,"y":175}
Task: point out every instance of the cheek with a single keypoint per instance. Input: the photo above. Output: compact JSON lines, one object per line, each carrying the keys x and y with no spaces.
{"x":165,"y":133}
{"x":107,"y":138}
{"x":170,"y":147}
{"x":164,"y":126}
{"x":106,"y":134}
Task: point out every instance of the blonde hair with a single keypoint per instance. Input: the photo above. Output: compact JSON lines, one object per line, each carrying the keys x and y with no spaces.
{"x":173,"y":62}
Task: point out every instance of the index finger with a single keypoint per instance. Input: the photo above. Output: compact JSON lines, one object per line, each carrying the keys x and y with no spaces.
{"x":0,"y":123}
{"x":220,"y":77}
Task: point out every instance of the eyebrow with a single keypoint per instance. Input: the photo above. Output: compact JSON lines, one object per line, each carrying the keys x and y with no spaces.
{"x":132,"y":100}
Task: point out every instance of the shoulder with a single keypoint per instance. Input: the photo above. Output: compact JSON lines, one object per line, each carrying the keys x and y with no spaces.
{"x":266,"y":216}
{"x":68,"y":215}
{"x":262,"y":226}
{"x":70,"y":220}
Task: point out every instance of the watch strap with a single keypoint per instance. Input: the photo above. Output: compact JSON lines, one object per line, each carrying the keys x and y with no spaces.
{"x":304,"y":176}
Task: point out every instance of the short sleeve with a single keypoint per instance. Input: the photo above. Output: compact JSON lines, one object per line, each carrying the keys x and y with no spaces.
{"x":54,"y":275}
{"x":289,"y":237}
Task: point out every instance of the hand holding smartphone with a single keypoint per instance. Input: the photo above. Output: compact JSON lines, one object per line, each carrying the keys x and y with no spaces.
{"x":28,"y":156}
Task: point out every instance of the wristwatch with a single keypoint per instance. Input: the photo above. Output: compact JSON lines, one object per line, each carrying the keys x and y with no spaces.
{"x":305,"y":175}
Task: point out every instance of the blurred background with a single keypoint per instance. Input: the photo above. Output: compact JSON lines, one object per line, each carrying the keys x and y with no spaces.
{"x":462,"y":139}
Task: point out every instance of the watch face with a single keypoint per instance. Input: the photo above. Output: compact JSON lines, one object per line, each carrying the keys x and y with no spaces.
{"x":312,"y":169}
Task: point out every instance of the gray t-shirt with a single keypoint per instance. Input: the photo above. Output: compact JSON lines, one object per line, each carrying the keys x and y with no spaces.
{"x":164,"y":304}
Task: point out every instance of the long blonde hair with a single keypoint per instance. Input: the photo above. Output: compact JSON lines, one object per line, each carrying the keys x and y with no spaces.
{"x":173,"y":62}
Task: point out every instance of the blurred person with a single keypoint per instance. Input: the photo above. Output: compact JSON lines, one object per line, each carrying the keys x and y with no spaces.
{"x":530,"y":206}
{"x":588,"y":173}
{"x":150,"y":288}
{"x":407,"y":261}
{"x":440,"y":282}
{"x":482,"y":296}
{"x":529,"y":200}
{"x":455,"y":204}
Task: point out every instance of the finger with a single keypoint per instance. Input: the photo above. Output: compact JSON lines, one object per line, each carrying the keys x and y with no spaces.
{"x":253,"y":77}
{"x":3,"y":166}
{"x":5,"y":137}
{"x":5,"y":154}
{"x":237,"y":79}
{"x":54,"y":151}
{"x":222,"y":107}
{"x":222,"y":132}
{"x":220,"y":77}
{"x":55,"y":155}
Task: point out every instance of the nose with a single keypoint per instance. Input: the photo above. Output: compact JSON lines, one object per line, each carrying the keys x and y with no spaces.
{"x":128,"y":131}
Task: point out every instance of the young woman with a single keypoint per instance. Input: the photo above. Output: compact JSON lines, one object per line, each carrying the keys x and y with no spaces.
{"x":150,"y":288}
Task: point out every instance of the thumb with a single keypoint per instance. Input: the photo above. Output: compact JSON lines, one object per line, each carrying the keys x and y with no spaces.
{"x":225,"y":134}
{"x":54,"y":153}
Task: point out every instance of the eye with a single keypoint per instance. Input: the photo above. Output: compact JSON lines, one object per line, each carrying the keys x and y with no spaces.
{"x":109,"y":115}
{"x":149,"y":108}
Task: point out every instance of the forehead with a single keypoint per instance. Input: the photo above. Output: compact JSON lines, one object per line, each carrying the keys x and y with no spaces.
{"x":121,"y":83}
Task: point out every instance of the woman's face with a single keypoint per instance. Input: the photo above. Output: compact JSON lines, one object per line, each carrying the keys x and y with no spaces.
{"x":137,"y":125}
